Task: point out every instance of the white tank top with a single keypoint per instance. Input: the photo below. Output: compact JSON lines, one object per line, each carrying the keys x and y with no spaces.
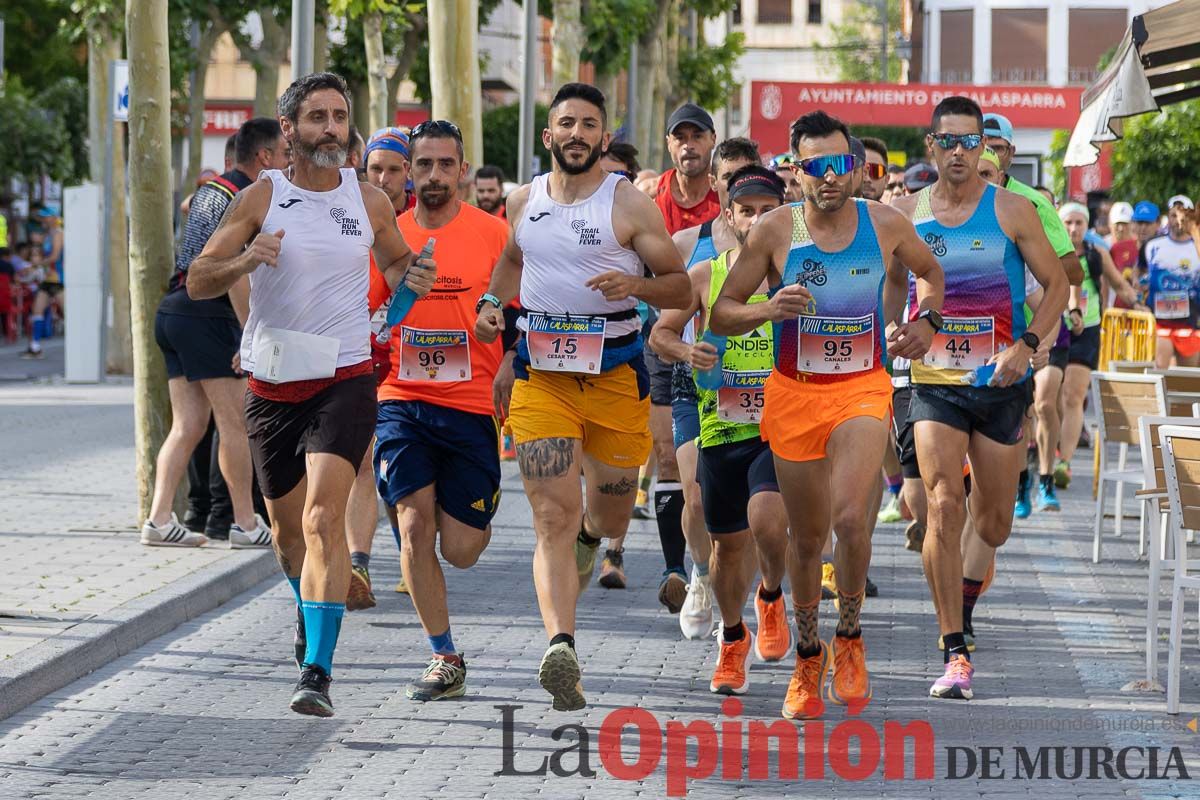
{"x":566,"y":245}
{"x":322,"y":279}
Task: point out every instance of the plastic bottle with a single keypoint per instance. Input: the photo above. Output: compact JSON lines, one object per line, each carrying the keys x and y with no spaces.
{"x":711,"y":379}
{"x":403,"y":299}
{"x":980,"y":377}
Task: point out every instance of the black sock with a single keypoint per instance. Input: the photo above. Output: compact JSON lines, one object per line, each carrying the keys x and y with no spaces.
{"x":1047,"y":481}
{"x":955,"y":645}
{"x":361,"y":560}
{"x":770,"y":597}
{"x":733,"y":634}
{"x":971,"y":591}
{"x":668,"y":512}
{"x":563,"y":637}
{"x":586,"y":538}
{"x":1023,"y":481}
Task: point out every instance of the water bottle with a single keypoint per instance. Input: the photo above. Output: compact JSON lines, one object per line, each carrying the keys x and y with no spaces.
{"x":403,"y":299}
{"x":980,"y":377}
{"x":712,"y":379}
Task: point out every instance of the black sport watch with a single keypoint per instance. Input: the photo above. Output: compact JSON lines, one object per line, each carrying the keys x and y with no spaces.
{"x":1031,"y":339}
{"x":933,"y":317}
{"x":485,"y":299}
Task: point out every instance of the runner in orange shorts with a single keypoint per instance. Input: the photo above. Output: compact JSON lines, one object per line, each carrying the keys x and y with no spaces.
{"x":827,"y":400}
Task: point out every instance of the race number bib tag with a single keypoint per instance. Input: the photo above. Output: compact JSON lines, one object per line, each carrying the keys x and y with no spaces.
{"x":1171,"y":305}
{"x":963,"y":343}
{"x":740,"y":398}
{"x":836,"y":345}
{"x":434,"y":356}
{"x":565,"y":344}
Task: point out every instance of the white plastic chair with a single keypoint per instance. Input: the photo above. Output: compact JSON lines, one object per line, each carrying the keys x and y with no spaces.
{"x":1181,"y":459}
{"x":1121,"y":399}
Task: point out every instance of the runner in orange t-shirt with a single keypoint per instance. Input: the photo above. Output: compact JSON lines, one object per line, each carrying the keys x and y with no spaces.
{"x":437,"y":460}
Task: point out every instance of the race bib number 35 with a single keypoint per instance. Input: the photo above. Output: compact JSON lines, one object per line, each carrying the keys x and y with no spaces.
{"x":740,"y":398}
{"x":437,"y":356}
{"x":962,"y":343}
{"x":565,"y":344}
{"x":836,"y":345}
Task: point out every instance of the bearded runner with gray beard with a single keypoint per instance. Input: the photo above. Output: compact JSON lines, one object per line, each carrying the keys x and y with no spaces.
{"x":310,"y":411}
{"x":581,"y":402}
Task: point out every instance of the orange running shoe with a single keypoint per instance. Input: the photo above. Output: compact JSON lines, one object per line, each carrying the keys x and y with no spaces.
{"x":774,"y":634}
{"x":732,"y":675}
{"x":804,"y":690}
{"x":851,"y":685}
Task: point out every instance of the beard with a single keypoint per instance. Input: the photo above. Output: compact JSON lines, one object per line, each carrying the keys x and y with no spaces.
{"x":323,"y":159}
{"x":434,"y":195}
{"x":489,"y":205}
{"x":574,"y":169}
{"x":828,"y":204}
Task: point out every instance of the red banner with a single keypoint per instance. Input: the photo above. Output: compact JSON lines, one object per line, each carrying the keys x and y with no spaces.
{"x":774,"y":104}
{"x":1093,"y":177}
{"x":224,"y":119}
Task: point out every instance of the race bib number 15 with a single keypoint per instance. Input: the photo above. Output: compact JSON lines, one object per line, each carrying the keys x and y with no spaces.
{"x":565,"y":344}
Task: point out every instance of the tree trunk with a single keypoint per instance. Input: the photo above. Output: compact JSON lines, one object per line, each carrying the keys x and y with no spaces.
{"x":607,"y":83}
{"x":266,"y":60}
{"x":651,"y":57}
{"x":360,"y":107}
{"x":211,"y":32}
{"x":454,"y":70}
{"x":567,"y":40}
{"x":321,"y":38}
{"x":406,"y":58}
{"x":152,"y":242}
{"x":377,"y":77}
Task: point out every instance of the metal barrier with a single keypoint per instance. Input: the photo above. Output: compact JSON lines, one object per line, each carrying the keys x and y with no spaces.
{"x":1125,"y":335}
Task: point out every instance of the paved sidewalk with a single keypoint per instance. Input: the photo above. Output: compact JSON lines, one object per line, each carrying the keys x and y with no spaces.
{"x":201,"y":713}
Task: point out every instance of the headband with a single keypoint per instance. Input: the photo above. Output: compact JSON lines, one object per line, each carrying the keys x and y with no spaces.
{"x":392,"y":139}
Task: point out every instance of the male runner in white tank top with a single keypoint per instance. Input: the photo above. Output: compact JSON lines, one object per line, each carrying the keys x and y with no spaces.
{"x":581,"y":399}
{"x":310,"y":411}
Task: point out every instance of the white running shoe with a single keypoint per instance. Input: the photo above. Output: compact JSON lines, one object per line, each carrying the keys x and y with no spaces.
{"x":242,"y":540}
{"x":171,"y":535}
{"x":696,"y":616}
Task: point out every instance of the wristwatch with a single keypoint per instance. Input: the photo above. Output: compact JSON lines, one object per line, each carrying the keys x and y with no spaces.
{"x":1031,"y":339}
{"x":934,"y":318}
{"x":487,"y":298}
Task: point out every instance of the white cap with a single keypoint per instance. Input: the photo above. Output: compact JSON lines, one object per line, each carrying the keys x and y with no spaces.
{"x":1120,"y":212}
{"x":1183,"y":200}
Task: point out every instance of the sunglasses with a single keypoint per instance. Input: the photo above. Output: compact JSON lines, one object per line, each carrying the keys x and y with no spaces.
{"x":895,"y":186}
{"x":441,"y":125}
{"x":948,"y":141}
{"x":841,"y":164}
{"x":874,"y":171}
{"x":626,"y":174}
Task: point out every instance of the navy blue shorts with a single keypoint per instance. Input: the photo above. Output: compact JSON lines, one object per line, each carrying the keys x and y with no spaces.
{"x":418,"y":443}
{"x":685,"y":421}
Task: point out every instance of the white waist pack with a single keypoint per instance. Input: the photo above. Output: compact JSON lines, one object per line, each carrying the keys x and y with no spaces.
{"x":282,"y":356}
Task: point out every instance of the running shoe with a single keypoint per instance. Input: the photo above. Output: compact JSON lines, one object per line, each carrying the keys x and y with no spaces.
{"x":241,"y":539}
{"x":914,"y":537}
{"x":968,"y":635}
{"x":360,"y":595}
{"x":585,"y":562}
{"x":850,"y":685}
{"x":312,"y":693}
{"x":872,"y":590}
{"x":672,"y":591}
{"x":641,"y":505}
{"x":774,"y":634}
{"x":401,"y":586}
{"x":171,"y":535}
{"x":696,"y":616}
{"x":803,"y":699}
{"x":560,"y":675}
{"x":1022,"y":509}
{"x":828,"y":581}
{"x":300,"y":642}
{"x":612,"y":570}
{"x":732,"y":675}
{"x":956,"y":683}
{"x":1046,"y":498}
{"x":32,"y":353}
{"x":1062,"y":474}
{"x":446,"y":676}
{"x":891,"y":511}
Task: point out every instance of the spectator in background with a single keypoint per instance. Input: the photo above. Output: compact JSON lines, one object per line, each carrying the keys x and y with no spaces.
{"x":1120,"y":223}
{"x":895,"y":184}
{"x":621,"y":157}
{"x":489,"y":190}
{"x":989,"y":167}
{"x":918,"y":176}
{"x":784,"y":167}
{"x":354,"y":153}
{"x":49,"y":258}
{"x":875,"y":170}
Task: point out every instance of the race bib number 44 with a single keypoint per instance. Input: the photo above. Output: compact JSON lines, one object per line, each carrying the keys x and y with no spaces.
{"x":565,"y":344}
{"x":437,"y":356}
{"x":963,"y":343}
{"x":740,"y":398}
{"x":836,"y":345}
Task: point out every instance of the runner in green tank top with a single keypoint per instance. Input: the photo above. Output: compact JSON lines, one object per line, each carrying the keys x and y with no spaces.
{"x":743,"y":510}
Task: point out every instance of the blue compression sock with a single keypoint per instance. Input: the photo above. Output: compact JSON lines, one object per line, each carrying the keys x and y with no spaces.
{"x":295,"y":584}
{"x":322,"y":622}
{"x":442,"y":644}
{"x":38,"y":325}
{"x":701,"y":569}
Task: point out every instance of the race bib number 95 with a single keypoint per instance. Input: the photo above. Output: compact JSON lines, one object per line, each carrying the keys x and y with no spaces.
{"x":836,"y":345}
{"x":438,"y":356}
{"x":565,"y":344}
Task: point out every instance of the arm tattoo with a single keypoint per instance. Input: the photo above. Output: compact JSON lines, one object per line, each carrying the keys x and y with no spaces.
{"x":233,"y":204}
{"x":621,"y":487}
{"x":546,"y":458}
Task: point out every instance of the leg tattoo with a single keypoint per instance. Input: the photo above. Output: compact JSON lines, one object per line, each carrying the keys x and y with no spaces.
{"x":849,"y":607}
{"x":621,"y":487}
{"x":808,"y":641}
{"x":545,"y":458}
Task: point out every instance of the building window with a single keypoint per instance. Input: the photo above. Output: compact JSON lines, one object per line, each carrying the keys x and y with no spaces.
{"x":814,"y":12}
{"x":774,"y":12}
{"x":957,"y":46}
{"x":1019,"y":45}
{"x":1090,"y":32}
{"x":737,"y":13}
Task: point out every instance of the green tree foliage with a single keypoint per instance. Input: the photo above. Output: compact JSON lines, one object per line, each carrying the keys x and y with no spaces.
{"x":500,"y":145}
{"x":855,"y":50}
{"x":36,"y":137}
{"x":706,"y":72}
{"x":34,"y":52}
{"x":908,"y":141}
{"x":1157,"y":156}
{"x":611,"y":28}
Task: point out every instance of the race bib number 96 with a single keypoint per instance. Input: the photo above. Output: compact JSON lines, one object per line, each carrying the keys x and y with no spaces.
{"x":962,"y":343}
{"x":565,"y":344}
{"x":836,"y":345}
{"x":437,"y":356}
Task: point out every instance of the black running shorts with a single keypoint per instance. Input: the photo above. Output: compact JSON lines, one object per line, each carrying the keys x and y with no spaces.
{"x":997,"y":413}
{"x":729,"y":475}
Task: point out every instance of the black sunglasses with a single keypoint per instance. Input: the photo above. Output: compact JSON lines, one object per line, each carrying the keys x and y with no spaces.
{"x":444,"y":126}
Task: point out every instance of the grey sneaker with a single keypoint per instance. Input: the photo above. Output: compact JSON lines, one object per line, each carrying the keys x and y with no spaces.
{"x":171,"y":534}
{"x":259,"y":537}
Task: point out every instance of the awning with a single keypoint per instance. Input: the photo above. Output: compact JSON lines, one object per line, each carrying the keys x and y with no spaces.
{"x":1156,"y":64}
